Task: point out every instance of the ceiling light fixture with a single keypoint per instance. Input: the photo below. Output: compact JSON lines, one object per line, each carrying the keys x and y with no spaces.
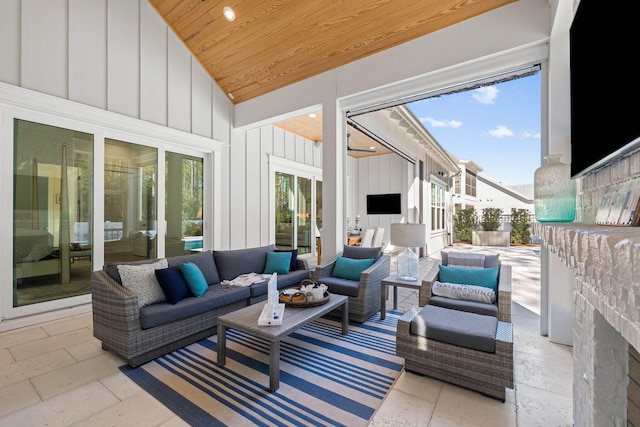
{"x":229,"y":13}
{"x":312,"y":115}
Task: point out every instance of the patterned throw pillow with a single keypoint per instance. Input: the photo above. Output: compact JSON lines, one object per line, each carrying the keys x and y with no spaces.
{"x":141,"y":280}
{"x":464,"y":292}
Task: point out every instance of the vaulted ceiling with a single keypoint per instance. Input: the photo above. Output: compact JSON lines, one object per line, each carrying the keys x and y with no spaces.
{"x":274,"y":43}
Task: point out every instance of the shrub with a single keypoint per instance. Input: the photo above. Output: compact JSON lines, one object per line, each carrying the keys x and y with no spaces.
{"x":464,"y":223}
{"x":491,"y":219}
{"x":520,"y":226}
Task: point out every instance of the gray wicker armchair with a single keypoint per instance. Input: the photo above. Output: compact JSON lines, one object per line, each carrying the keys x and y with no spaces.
{"x":488,"y":371}
{"x":364,"y":295}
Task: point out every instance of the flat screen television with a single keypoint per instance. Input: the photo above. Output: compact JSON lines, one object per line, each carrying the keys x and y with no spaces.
{"x":604,"y":84}
{"x":379,"y":204}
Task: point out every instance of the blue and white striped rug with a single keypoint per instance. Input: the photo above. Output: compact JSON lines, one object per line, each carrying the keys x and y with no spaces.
{"x":326,"y":379}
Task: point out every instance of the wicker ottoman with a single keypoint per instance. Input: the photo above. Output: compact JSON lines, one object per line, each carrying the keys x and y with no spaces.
{"x":486,"y":372}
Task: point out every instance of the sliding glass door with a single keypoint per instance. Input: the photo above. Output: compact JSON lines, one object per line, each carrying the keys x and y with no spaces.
{"x":52,"y":213}
{"x":298,"y":211}
{"x":130,"y":201}
{"x":184,"y":185}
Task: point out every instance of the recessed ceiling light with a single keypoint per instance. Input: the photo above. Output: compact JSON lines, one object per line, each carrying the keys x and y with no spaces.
{"x":229,"y":13}
{"x":312,"y":115}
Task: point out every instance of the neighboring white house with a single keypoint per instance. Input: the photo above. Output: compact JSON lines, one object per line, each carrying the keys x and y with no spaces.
{"x":480,"y":191}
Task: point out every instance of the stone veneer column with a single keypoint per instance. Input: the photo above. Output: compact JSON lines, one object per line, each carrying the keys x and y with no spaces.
{"x":600,"y":365}
{"x":606,"y":265}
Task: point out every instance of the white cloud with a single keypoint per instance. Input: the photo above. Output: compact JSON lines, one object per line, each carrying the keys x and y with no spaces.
{"x":501,"y":131}
{"x":528,"y":134}
{"x":486,"y":94}
{"x":441,"y":123}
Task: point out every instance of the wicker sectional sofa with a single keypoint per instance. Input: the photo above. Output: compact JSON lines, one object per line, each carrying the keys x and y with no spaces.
{"x":140,"y":334}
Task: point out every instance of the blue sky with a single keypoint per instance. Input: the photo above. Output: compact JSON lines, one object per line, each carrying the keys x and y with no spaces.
{"x":497,"y":127}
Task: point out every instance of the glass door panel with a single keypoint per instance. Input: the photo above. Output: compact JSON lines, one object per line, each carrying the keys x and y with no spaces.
{"x":52,"y":213}
{"x":130,"y":201}
{"x":183,"y":204}
{"x":304,"y":215}
{"x":284,"y":211}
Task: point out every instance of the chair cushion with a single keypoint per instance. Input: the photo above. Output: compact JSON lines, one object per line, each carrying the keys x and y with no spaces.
{"x":360,"y":252}
{"x":278,"y":262}
{"x":487,"y":277}
{"x":335,"y":285}
{"x":468,"y":306}
{"x":350,"y":269}
{"x":490,"y":260}
{"x":469,"y":330}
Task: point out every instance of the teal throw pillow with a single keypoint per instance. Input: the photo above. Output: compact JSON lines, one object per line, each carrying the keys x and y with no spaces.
{"x":195,"y":279}
{"x":278,"y":262}
{"x":487,"y":277}
{"x":350,"y":268}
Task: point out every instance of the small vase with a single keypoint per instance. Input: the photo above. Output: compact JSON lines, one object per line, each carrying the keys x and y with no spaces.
{"x":554,"y":192}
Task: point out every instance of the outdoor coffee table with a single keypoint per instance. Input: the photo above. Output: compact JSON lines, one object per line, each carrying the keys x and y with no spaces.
{"x":246,"y":320}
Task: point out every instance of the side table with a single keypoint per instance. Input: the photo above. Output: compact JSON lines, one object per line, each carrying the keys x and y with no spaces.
{"x":396,"y":282}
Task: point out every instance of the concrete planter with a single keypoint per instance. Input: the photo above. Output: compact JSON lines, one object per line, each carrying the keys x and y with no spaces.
{"x":491,"y":238}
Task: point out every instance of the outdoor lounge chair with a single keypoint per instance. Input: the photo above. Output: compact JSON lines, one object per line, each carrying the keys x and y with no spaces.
{"x":472,"y":349}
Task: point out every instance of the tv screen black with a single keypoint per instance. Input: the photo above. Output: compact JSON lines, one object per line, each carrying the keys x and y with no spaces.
{"x":604,"y":83}
{"x":384,"y":204}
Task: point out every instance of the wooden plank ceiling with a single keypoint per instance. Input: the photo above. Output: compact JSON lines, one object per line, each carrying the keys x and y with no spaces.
{"x":274,"y":43}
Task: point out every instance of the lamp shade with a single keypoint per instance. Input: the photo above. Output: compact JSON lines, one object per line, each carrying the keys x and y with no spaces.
{"x":409,"y":235}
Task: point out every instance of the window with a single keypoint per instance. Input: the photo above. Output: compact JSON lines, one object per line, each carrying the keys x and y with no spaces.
{"x":437,"y":207}
{"x":470,"y":184}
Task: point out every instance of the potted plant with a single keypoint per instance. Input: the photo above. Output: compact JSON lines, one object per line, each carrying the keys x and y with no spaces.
{"x":490,"y":235}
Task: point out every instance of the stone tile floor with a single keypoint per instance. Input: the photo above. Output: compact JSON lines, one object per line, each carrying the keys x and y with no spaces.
{"x":56,"y":374}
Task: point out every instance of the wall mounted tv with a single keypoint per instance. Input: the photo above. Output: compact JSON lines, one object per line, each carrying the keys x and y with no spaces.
{"x":378,"y":204}
{"x":604,"y":84}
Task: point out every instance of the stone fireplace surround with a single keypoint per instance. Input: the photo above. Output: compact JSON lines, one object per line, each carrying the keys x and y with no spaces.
{"x":605,"y":265}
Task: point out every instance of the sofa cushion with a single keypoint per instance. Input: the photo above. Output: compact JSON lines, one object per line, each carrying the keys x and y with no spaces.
{"x":469,"y":330}
{"x":361,"y":252}
{"x":233,"y":263}
{"x":336,"y":285}
{"x":172,"y":283}
{"x":468,"y":306}
{"x":195,"y":279}
{"x":216,"y":296}
{"x":284,"y":281}
{"x":464,"y":292}
{"x":349,"y":268}
{"x":278,"y":262}
{"x":294,"y":258}
{"x":141,"y":280}
{"x":487,"y":277}
{"x":204,"y":261}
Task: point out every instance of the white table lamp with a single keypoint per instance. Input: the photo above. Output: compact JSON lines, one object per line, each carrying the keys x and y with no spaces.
{"x":409,"y":236}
